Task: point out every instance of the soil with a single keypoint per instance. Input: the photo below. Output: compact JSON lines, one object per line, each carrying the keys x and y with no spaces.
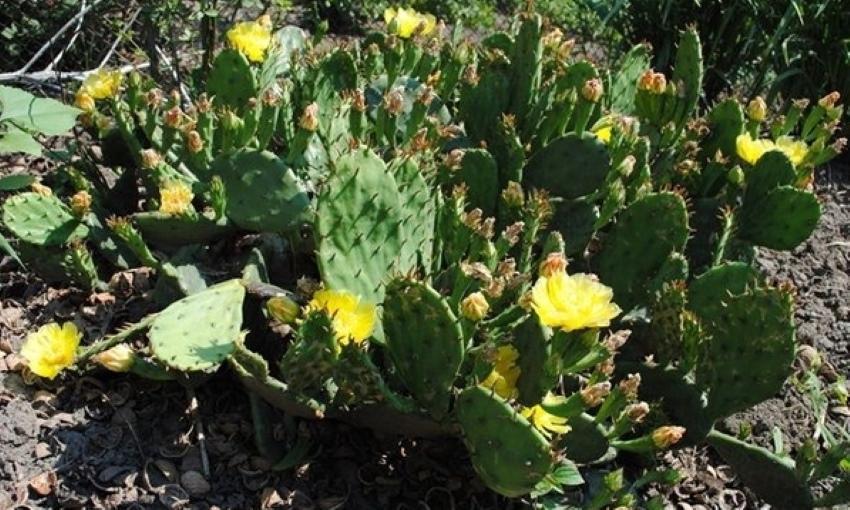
{"x":109,"y":441}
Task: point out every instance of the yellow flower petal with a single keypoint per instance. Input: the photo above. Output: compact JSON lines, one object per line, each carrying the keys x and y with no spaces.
{"x":101,"y":84}
{"x":544,"y":421}
{"x":502,"y":379}
{"x":572,"y":302}
{"x":796,"y":150}
{"x":352,"y":319}
{"x":51,"y":348}
{"x":251,"y":38}
{"x":406,"y":23}
{"x":604,"y":134}
{"x":752,"y":150}
{"x":175,"y":198}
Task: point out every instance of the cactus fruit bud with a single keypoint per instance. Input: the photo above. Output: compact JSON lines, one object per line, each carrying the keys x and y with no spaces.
{"x":476,"y":270}
{"x":358,"y":100}
{"x":309,"y":120}
{"x":470,"y":75}
{"x":433,"y":79}
{"x":153,"y":98}
{"x":653,"y":82}
{"x":474,"y":306}
{"x":420,"y":141}
{"x":203,"y":104}
{"x":150,"y":159}
{"x":194,"y":142}
{"x":830,"y":100}
{"x":394,"y":101}
{"x":272,"y":96}
{"x":666,"y":436}
{"x":454,"y":159}
{"x":592,"y":90}
{"x":283,"y":309}
{"x":594,"y":394}
{"x":757,"y":109}
{"x":41,"y":189}
{"x":629,"y":386}
{"x":554,"y":263}
{"x":173,"y":117}
{"x":84,"y":102}
{"x":800,"y":104}
{"x":616,"y":340}
{"x":81,"y":203}
{"x":513,"y":195}
{"x":512,"y":232}
{"x":606,"y":367}
{"x":175,"y":198}
{"x":637,"y":412}
{"x":117,"y":359}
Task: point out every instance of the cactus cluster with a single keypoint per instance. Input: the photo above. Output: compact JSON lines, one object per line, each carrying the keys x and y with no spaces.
{"x":471,"y":210}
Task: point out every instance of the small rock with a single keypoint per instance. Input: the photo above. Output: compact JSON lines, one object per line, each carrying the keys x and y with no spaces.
{"x":44,"y":483}
{"x":42,"y":450}
{"x":15,"y":362}
{"x":194,"y":483}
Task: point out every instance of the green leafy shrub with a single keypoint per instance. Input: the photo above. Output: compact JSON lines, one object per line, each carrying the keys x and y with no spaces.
{"x":489,"y":224}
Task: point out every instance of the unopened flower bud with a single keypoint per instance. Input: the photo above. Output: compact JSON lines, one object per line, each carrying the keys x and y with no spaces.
{"x":283,"y":309}
{"x":117,"y":359}
{"x":203,"y":104}
{"x":757,"y":109}
{"x":512,"y":232}
{"x":272,"y":95}
{"x":495,"y":288}
{"x":470,"y":75}
{"x":606,"y":367}
{"x":592,"y":90}
{"x":659,"y":83}
{"x":394,"y":101}
{"x":41,"y":189}
{"x":175,"y":97}
{"x":150,"y":159}
{"x":358,"y":100}
{"x":830,"y":100}
{"x":666,"y":436}
{"x":474,"y":306}
{"x":554,"y":263}
{"x":615,"y":340}
{"x":310,"y":118}
{"x":565,"y":49}
{"x":194,"y":142}
{"x":594,"y":395}
{"x":81,"y":203}
{"x":426,"y":96}
{"x":637,"y":412}
{"x":513,"y":195}
{"x":153,"y":98}
{"x":629,"y":386}
{"x":173,"y":117}
{"x":454,"y":159}
{"x":84,"y":102}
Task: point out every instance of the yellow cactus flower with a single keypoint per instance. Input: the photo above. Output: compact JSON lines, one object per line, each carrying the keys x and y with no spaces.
{"x":752,"y":150}
{"x":572,"y":302}
{"x":175,"y":198}
{"x":544,"y":421}
{"x":502,"y":379}
{"x":352,"y":319}
{"x":84,"y":101}
{"x":406,"y":23}
{"x":796,"y":150}
{"x":51,"y":348}
{"x":251,"y":38}
{"x":101,"y":84}
{"x":604,"y":134}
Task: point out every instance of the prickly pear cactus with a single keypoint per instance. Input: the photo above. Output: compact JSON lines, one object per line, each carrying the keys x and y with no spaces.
{"x":199,"y":332}
{"x":782,"y":219}
{"x":539,"y":365}
{"x":41,"y":220}
{"x":171,"y":231}
{"x":428,"y":355}
{"x":231,"y":81}
{"x":418,"y":209}
{"x":570,"y":167}
{"x":508,"y":453}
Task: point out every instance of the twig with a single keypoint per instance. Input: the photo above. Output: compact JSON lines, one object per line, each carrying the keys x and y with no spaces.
{"x":42,"y":76}
{"x":187,"y":98}
{"x":120,"y":36}
{"x":194,"y":410}
{"x":71,"y":42}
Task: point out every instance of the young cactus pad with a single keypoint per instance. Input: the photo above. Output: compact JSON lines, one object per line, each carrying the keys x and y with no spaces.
{"x":784,"y":218}
{"x":569,"y":167}
{"x":358,"y":223}
{"x":199,"y":332}
{"x":263,"y":194}
{"x":508,"y":453}
{"x":41,"y":220}
{"x":231,"y":81}
{"x":425,"y":341}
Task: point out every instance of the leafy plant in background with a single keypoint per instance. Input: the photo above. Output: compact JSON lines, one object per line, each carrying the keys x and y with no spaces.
{"x":488,"y":240}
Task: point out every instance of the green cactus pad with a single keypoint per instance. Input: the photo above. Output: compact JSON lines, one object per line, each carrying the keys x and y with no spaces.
{"x":41,"y":220}
{"x":569,"y":167}
{"x":308,"y":363}
{"x":481,"y":175}
{"x":726,"y":122}
{"x":263,"y":194}
{"x":199,"y":332}
{"x":51,"y":264}
{"x":781,"y":220}
{"x":527,"y":57}
{"x":706,"y":294}
{"x":687,"y":72}
{"x":482,"y":105}
{"x":585,"y":442}
{"x":170,"y":231}
{"x":418,"y":215}
{"x":624,"y":87}
{"x":764,"y":472}
{"x":231,"y":81}
{"x":575,"y":221}
{"x":427,"y":355}
{"x":508,"y":453}
{"x":358,"y":223}
{"x":771,"y":171}
{"x":749,"y":350}
{"x":643,"y":238}
{"x":539,"y":367}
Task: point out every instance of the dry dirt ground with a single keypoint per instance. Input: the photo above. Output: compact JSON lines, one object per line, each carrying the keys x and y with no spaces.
{"x":109,"y":441}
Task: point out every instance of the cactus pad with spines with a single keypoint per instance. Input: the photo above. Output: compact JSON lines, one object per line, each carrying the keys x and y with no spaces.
{"x":749,"y":350}
{"x":263,"y":194}
{"x":200,"y":331}
{"x":575,"y":220}
{"x":539,"y":366}
{"x":645,"y":235}
{"x":41,"y":220}
{"x":782,"y":219}
{"x":418,"y":210}
{"x":169,"y":230}
{"x":726,"y":122}
{"x":585,"y":442}
{"x":231,"y":81}
{"x":358,"y":223}
{"x":687,"y":74}
{"x":569,"y":167}
{"x":707,"y":292}
{"x":771,"y":171}
{"x":427,"y":355}
{"x":508,"y":453}
{"x":308,"y":363}
{"x":481,"y":175}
